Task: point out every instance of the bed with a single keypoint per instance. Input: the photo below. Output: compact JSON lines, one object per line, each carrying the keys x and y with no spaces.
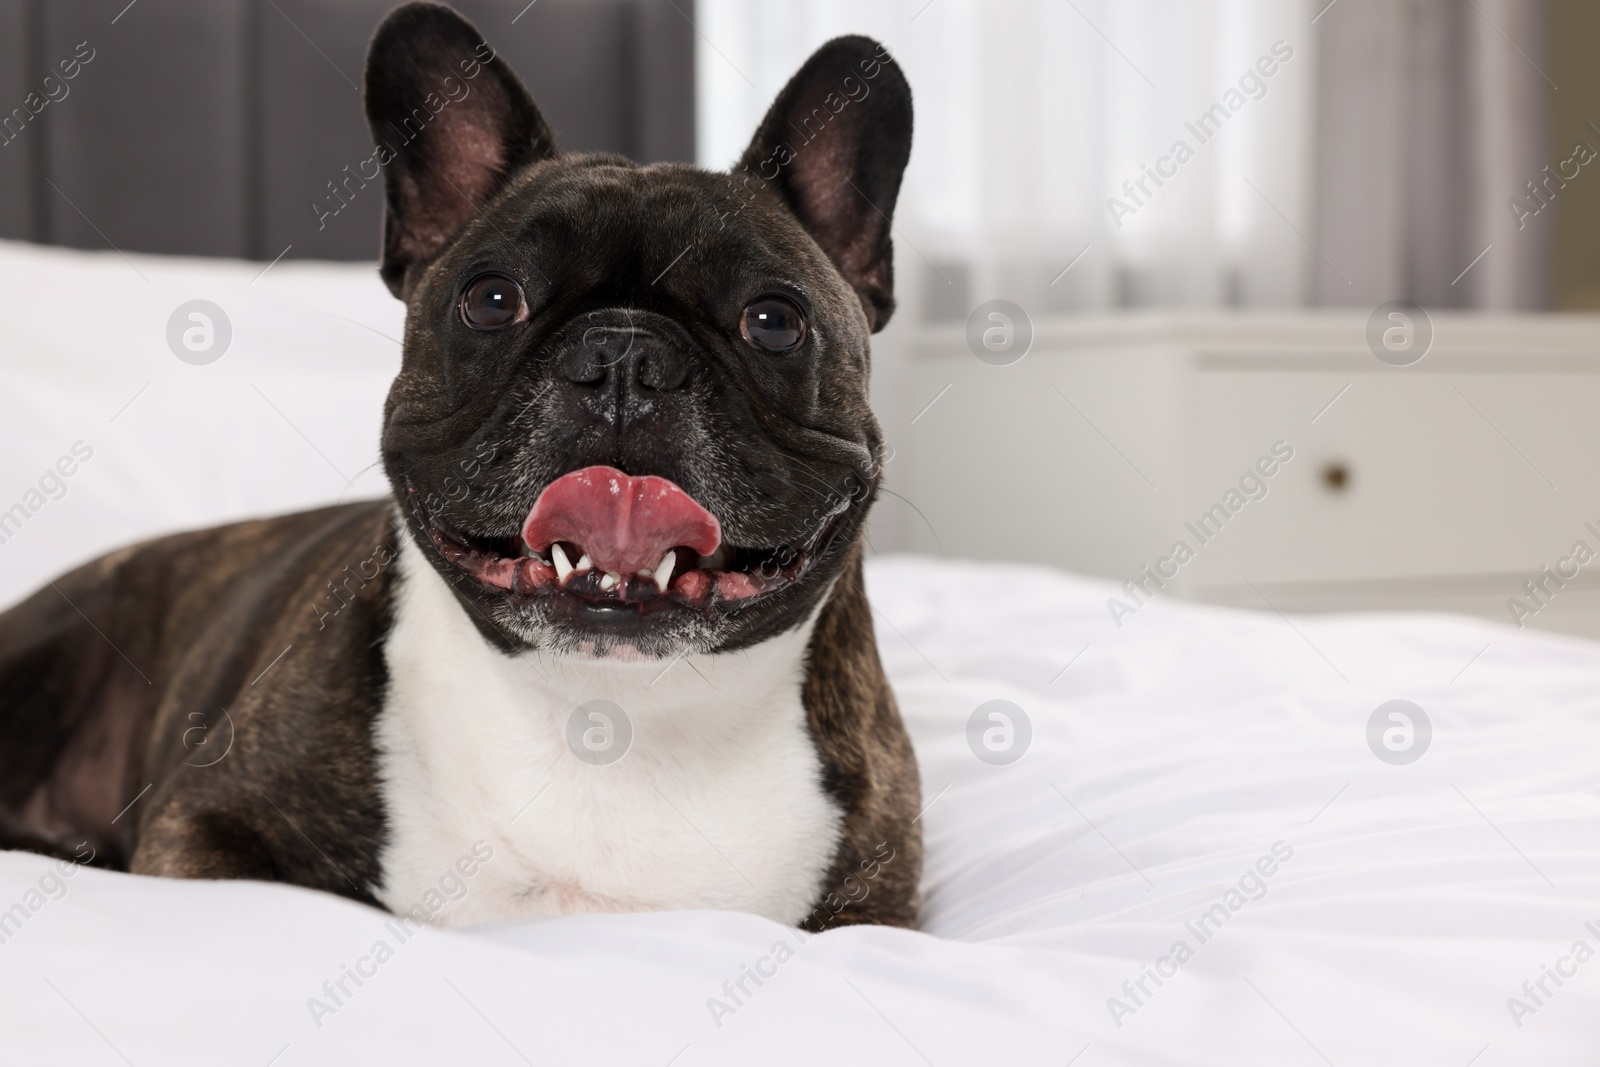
{"x":1346,"y":887}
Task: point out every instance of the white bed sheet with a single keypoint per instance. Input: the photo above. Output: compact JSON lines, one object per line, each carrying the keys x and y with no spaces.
{"x":1165,"y":761}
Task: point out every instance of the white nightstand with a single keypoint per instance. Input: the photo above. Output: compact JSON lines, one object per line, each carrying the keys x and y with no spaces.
{"x":1443,"y":485}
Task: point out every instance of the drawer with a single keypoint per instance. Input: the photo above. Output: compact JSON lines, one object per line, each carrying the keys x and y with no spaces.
{"x":1413,"y":475}
{"x":1442,"y":484}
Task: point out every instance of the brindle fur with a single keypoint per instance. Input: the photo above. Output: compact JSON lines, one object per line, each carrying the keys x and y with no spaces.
{"x":143,"y":667}
{"x":194,"y":707}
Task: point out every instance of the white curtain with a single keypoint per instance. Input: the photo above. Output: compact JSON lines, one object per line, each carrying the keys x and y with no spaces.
{"x":1031,"y":116}
{"x":1430,"y":118}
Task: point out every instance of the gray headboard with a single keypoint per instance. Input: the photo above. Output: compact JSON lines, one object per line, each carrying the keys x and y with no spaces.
{"x":211,"y":127}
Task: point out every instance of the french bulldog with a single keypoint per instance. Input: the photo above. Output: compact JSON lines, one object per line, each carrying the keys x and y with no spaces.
{"x":606,"y":646}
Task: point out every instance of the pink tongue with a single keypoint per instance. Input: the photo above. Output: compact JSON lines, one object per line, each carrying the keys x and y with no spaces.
{"x":625,"y":524}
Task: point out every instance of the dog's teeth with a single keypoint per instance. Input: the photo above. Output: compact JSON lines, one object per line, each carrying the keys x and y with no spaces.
{"x":663,"y":573}
{"x":584,"y":563}
{"x":563,"y":565}
{"x":609,"y":580}
{"x":526,"y":550}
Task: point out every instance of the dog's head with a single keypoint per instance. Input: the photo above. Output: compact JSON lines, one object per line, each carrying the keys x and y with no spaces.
{"x":632,"y":414}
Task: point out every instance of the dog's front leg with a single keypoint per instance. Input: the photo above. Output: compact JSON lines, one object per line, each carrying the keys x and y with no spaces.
{"x":254,"y":839}
{"x":189,"y":843}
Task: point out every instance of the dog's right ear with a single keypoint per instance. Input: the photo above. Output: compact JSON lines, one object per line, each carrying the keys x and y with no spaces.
{"x":451,"y":123}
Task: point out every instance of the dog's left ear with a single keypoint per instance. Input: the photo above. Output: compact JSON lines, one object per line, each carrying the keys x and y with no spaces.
{"x":835,"y":144}
{"x":452,"y":123}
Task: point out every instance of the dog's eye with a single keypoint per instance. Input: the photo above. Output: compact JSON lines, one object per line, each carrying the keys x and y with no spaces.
{"x":491,"y":301}
{"x":774,"y":323}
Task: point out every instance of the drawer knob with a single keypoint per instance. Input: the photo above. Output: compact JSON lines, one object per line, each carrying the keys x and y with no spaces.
{"x":1335,"y":477}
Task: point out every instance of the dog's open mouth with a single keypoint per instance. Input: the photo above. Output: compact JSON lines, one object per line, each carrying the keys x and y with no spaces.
{"x":621,"y":542}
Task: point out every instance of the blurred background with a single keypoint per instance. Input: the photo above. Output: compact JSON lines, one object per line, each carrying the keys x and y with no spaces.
{"x":1390,"y":141}
{"x":1167,"y":316}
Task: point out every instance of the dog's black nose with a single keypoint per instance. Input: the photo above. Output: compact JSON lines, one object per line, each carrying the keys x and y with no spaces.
{"x":630,"y":358}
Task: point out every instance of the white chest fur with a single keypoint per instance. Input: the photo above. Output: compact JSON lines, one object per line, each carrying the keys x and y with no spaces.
{"x":717,"y":803}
